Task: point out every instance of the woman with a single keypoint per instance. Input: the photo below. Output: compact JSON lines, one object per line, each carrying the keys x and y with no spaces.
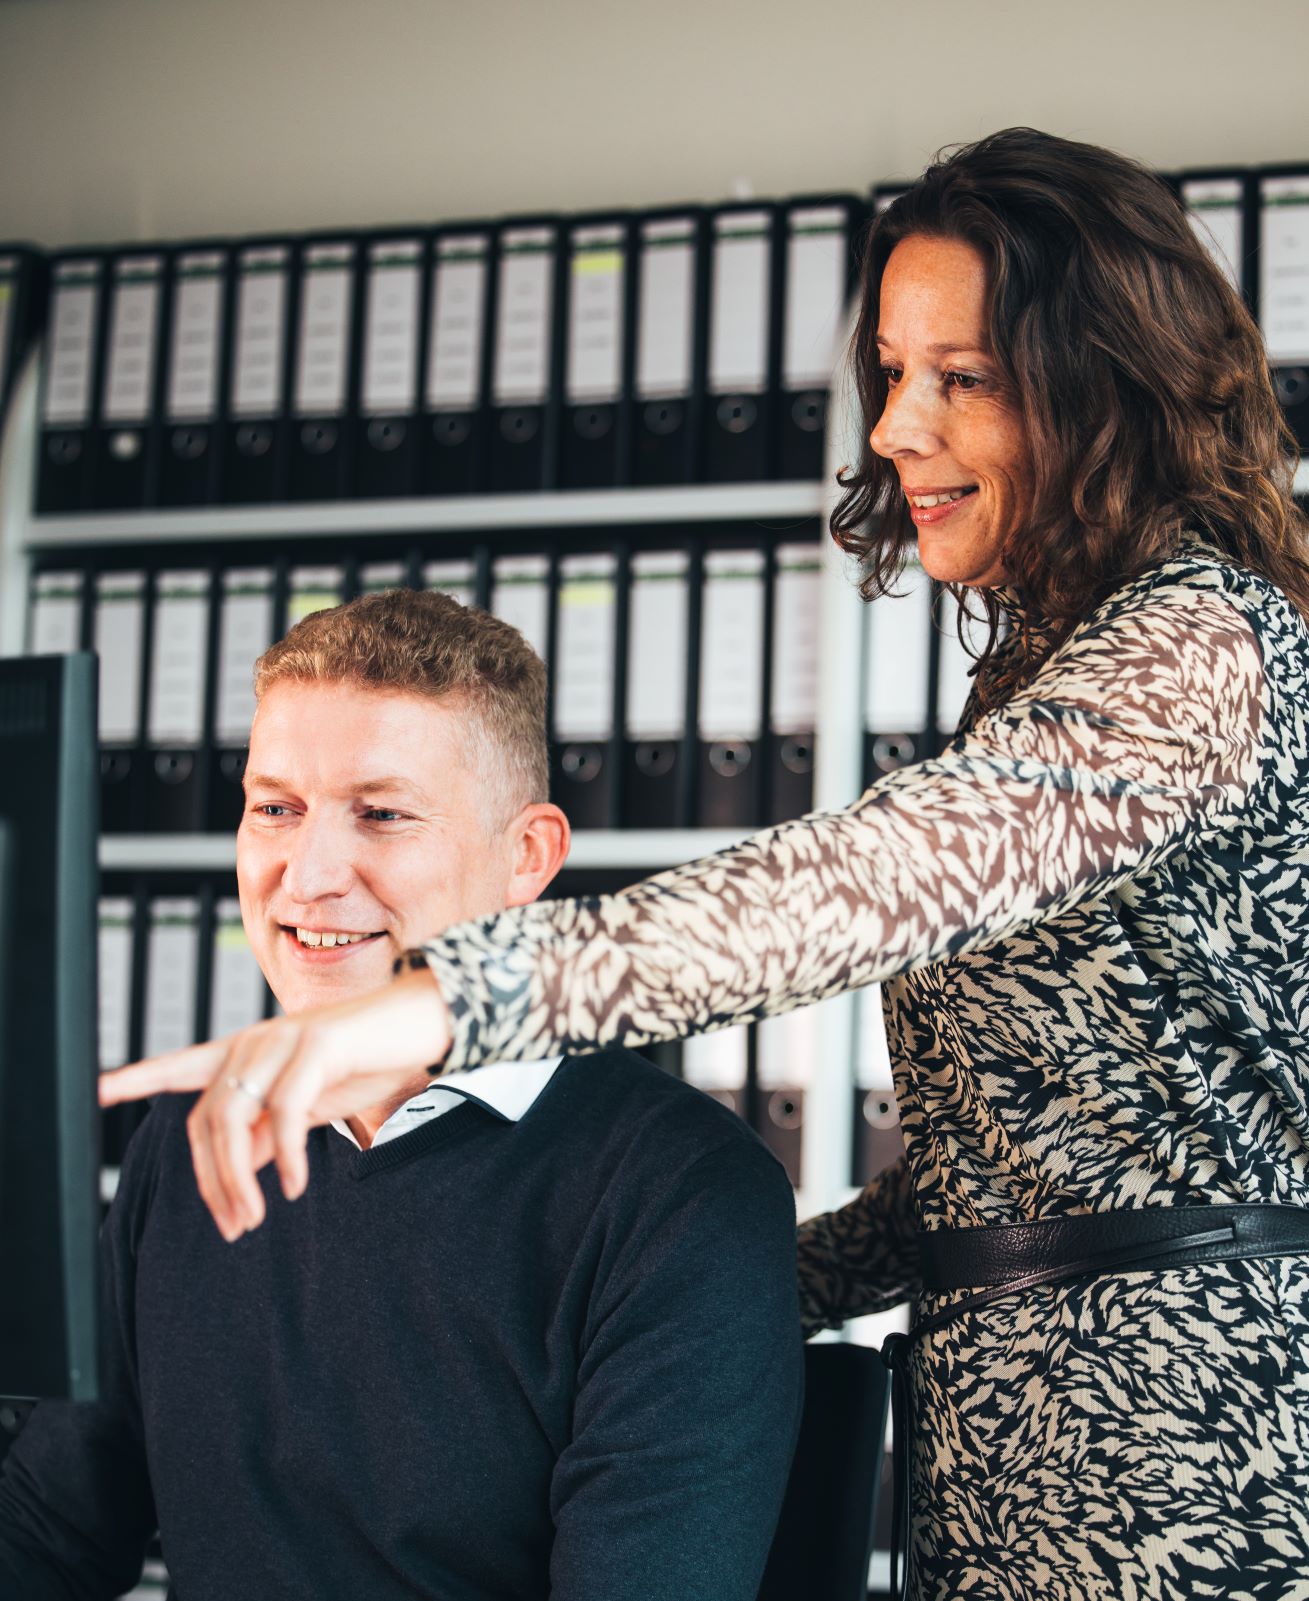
{"x":1090,"y":912}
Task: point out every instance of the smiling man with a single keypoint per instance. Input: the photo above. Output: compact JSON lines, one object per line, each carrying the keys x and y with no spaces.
{"x":531,"y":1330}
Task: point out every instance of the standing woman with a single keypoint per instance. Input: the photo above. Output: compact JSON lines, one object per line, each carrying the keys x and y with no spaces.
{"x":1091,"y":912}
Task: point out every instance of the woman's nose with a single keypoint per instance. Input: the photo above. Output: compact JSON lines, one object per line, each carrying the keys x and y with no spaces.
{"x":907,"y":426}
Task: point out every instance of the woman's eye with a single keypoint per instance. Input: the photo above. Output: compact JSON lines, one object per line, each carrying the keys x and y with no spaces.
{"x":962,"y":380}
{"x":892,"y":374}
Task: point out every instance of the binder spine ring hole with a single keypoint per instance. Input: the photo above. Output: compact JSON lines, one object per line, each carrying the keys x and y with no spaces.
{"x":318,"y":438}
{"x":663,"y":418}
{"x":729,"y":760}
{"x":879,"y":1110}
{"x":737,"y":413}
{"x":63,"y":449}
{"x":809,"y":413}
{"x":1291,"y":384}
{"x":450,"y":431}
{"x":187,"y":444}
{"x":254,"y":440}
{"x":386,"y":436}
{"x":519,"y":426}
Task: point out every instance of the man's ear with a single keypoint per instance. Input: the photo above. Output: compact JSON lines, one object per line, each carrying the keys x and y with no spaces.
{"x":540,"y":840}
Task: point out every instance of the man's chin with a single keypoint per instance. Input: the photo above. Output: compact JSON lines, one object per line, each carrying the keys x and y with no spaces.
{"x":302,"y":991}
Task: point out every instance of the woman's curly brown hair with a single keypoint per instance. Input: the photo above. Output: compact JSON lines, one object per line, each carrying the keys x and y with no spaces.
{"x":1139,"y":373}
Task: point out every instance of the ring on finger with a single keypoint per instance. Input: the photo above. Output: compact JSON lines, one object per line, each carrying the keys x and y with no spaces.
{"x":242,"y":1088}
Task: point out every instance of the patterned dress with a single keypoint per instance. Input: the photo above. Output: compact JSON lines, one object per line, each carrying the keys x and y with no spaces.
{"x":1091,"y":915}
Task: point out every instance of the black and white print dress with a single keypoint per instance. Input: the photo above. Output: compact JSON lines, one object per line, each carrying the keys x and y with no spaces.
{"x":1091,"y":919}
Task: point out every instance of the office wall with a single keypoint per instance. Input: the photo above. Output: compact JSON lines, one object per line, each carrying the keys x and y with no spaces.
{"x":150,"y":118}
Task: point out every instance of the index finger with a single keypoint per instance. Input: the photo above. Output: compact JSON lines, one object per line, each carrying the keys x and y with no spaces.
{"x":191,"y":1068}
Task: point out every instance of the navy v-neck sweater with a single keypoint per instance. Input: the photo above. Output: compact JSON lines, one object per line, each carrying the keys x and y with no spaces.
{"x":487,"y":1361}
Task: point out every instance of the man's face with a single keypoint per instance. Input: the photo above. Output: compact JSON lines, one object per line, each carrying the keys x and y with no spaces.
{"x":361,"y":820}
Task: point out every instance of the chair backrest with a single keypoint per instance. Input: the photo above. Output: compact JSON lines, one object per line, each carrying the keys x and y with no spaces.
{"x":824,"y":1536}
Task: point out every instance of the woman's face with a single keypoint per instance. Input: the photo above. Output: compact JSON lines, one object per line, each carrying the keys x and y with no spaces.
{"x":949,"y":426}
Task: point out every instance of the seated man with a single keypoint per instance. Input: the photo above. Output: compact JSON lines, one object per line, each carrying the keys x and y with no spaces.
{"x":532,"y":1332}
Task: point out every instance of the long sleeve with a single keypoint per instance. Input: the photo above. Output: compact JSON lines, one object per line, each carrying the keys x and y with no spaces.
{"x":862,"y":1257}
{"x":1145,"y":727}
{"x":76,"y":1509}
{"x":689,"y":1392}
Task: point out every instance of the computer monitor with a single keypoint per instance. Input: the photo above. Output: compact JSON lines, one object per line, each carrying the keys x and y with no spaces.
{"x":49,"y":1121}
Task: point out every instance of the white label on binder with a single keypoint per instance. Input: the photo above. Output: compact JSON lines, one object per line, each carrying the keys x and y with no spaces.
{"x":324,"y":343}
{"x":520,"y":595}
{"x":1213,"y":207}
{"x":119,"y":630}
{"x":380,"y":575}
{"x":245,"y":631}
{"x":390,"y":377}
{"x":260,"y":316}
{"x":896,"y":658}
{"x":657,"y":645}
{"x":454,"y":355}
{"x":133,"y":332}
{"x":522,"y":334}
{"x":114,"y":962}
{"x":788,"y":1044}
{"x":55,"y":625}
{"x":584,"y":682}
{"x":716,"y":1061}
{"x":954,"y":664}
{"x":665,"y":328}
{"x":732,"y":646}
{"x":177,"y":672}
{"x":595,"y":315}
{"x":738,"y":314}
{"x":872,"y":1068}
{"x":236,"y":994}
{"x":8,"y":296}
{"x":172,"y":954}
{"x":1284,"y":268}
{"x":797,"y":602}
{"x":196,"y":337}
{"x":72,"y":343}
{"x":313,"y":589}
{"x":453,"y":578}
{"x":815,"y":296}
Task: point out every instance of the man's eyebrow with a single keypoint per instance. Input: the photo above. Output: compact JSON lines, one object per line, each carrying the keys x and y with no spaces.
{"x":392,"y":784}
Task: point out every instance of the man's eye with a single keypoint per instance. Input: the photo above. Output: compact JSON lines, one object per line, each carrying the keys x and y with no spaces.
{"x":383,"y":814}
{"x":270,"y":809}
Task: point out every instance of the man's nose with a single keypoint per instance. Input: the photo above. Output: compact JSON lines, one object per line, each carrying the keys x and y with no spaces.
{"x":318,"y":862}
{"x":909,"y":425}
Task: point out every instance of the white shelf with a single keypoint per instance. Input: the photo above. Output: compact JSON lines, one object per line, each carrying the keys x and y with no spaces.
{"x":637,"y":850}
{"x":590,"y":508}
{"x":1302,"y":477}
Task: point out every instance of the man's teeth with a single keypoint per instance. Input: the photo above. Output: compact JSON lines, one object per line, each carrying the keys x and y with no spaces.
{"x":312,"y":938}
{"x":924,"y":501}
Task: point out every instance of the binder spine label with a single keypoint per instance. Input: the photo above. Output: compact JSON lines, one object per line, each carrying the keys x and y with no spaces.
{"x":1214,"y":208}
{"x":72,"y":344}
{"x":954,"y":666}
{"x":453,"y":578}
{"x":815,"y":296}
{"x":322,"y":362}
{"x":716,"y":1061}
{"x":390,"y":378}
{"x":8,"y":295}
{"x":658,"y":614}
{"x":236,"y":995}
{"x":454,"y":358}
{"x":245,"y":631}
{"x":260,"y":317}
{"x":595,"y":315}
{"x":522,"y":342}
{"x":738,"y":344}
{"x":585,"y":671}
{"x":313,"y":589}
{"x":896,"y":657}
{"x":379,"y":576}
{"x":55,"y":625}
{"x":732,"y":653}
{"x":177,"y":673}
{"x":872,"y":1059}
{"x":1284,"y":268}
{"x":114,"y":961}
{"x":173,"y":948}
{"x":196,"y":339}
{"x":119,"y":629}
{"x":796,"y":616}
{"x":520,"y":595}
{"x":133,"y":331}
{"x":666,"y":319}
{"x":787,"y":1044}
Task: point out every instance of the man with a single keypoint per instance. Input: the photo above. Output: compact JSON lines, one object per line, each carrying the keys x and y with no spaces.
{"x":529,"y":1331}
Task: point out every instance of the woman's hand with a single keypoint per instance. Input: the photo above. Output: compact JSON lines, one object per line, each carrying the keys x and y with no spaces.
{"x":267,"y":1086}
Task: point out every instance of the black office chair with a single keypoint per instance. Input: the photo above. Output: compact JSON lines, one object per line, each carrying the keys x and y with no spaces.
{"x":824,"y":1537}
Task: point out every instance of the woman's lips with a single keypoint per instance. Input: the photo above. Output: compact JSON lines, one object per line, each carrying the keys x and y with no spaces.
{"x":923,"y":515}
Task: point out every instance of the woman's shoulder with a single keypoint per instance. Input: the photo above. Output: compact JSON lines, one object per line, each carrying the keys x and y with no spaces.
{"x":1198,"y":571}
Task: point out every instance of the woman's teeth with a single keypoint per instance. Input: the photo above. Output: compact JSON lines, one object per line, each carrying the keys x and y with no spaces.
{"x":308,"y":936}
{"x":924,"y":501}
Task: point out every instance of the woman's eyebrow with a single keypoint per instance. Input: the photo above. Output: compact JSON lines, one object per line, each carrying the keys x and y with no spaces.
{"x":947,"y":349}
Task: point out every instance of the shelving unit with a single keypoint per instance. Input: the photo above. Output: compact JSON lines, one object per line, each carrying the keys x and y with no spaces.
{"x":773,"y":507}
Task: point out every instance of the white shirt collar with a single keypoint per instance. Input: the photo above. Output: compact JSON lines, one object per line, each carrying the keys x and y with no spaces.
{"x":507,"y":1089}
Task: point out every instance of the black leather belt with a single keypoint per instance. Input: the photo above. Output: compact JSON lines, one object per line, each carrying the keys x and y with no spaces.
{"x":1012,"y":1257}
